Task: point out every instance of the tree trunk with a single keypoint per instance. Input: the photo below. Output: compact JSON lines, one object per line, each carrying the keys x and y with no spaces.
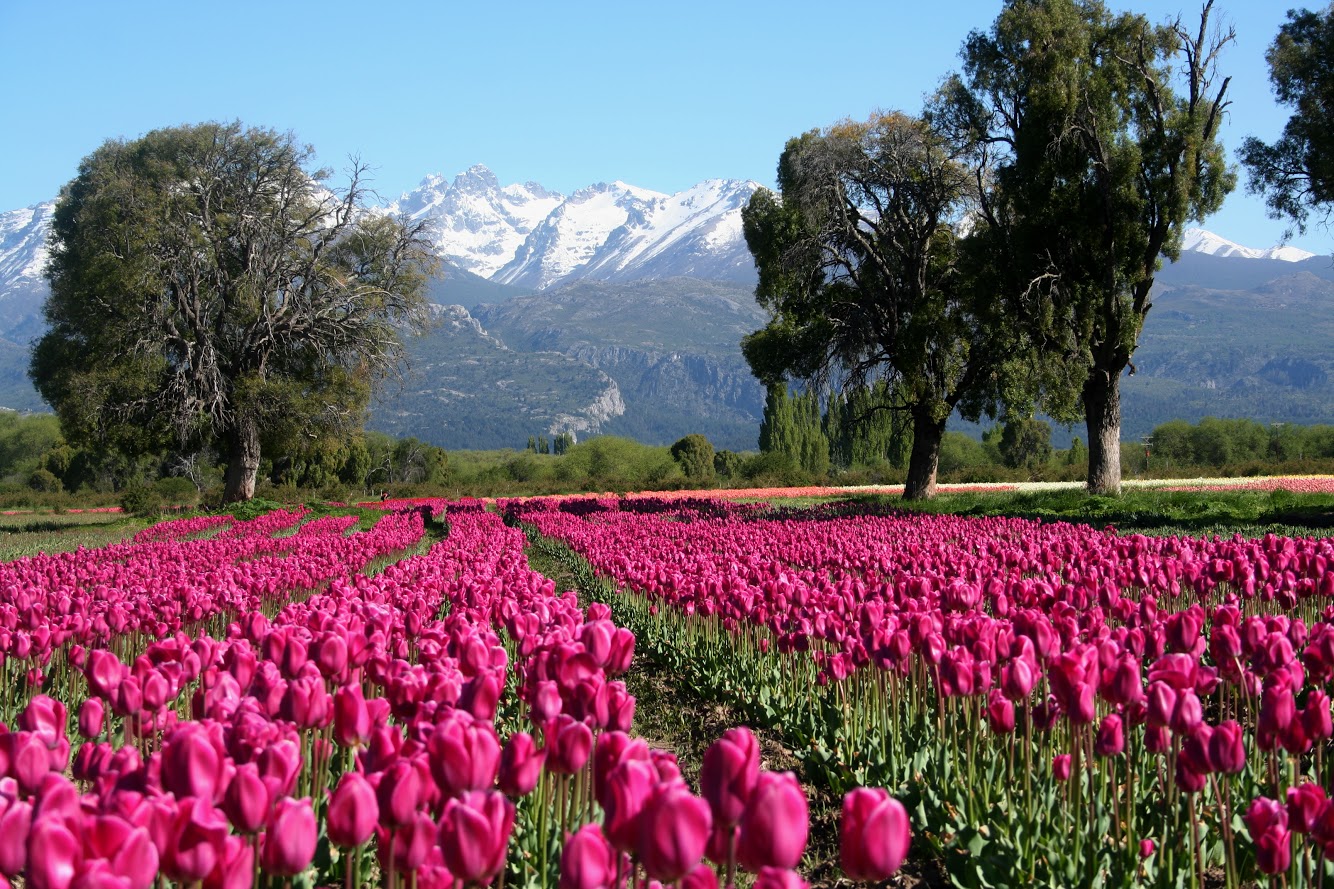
{"x":1102,"y":415}
{"x":242,"y":461}
{"x":927,"y":433}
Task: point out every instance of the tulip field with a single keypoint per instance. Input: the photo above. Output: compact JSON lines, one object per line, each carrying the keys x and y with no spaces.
{"x":398,"y":698}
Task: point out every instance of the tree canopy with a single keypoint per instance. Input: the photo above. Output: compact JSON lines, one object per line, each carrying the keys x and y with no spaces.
{"x":1296,"y":172}
{"x":207,"y":288}
{"x":859,"y":267}
{"x":1101,"y":132}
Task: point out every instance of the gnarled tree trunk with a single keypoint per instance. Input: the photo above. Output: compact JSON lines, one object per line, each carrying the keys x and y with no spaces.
{"x":927,"y":433}
{"x":242,"y":460}
{"x":1102,"y":416}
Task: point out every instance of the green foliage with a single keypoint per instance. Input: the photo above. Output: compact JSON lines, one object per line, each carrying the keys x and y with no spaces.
{"x":1296,"y":173}
{"x":863,"y":276}
{"x":44,"y":481}
{"x":177,"y":491}
{"x":728,"y":464}
{"x":1025,"y":443}
{"x":792,"y":426}
{"x":694,"y":454}
{"x":1103,"y":134}
{"x":141,"y":499}
{"x":206,"y":288}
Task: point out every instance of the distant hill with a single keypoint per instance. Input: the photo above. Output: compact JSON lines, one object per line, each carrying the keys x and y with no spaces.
{"x":620,"y":310}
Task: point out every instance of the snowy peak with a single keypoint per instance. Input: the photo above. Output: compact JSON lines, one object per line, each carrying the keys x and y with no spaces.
{"x":618,"y":232}
{"x":23,"y":250}
{"x":479,"y":225}
{"x":1198,"y":240}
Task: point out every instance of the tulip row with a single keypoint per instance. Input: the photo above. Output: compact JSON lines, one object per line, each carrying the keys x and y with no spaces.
{"x":1058,"y":704}
{"x":289,"y":717}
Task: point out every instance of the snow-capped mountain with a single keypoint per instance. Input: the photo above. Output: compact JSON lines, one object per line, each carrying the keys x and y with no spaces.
{"x":618,"y":232}
{"x":23,"y":254}
{"x":479,"y":225}
{"x":1198,"y":240}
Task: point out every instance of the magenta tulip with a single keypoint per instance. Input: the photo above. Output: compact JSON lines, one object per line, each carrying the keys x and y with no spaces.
{"x":588,"y":860}
{"x":55,"y":855}
{"x":351,"y":719}
{"x":520,"y":765}
{"x":673,"y":831}
{"x":464,"y":755}
{"x":289,"y":840}
{"x":353,"y":811}
{"x":779,"y":878}
{"x":775,"y":824}
{"x":874,"y":834}
{"x":91,"y":718}
{"x":246,"y":799}
{"x":568,"y":745}
{"x":475,"y":833}
{"x":729,"y":773}
{"x":194,"y":841}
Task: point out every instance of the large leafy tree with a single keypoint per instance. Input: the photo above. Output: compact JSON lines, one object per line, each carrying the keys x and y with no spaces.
{"x":206,"y":288}
{"x":1296,"y":172}
{"x":1103,"y":135}
{"x":861,"y":270}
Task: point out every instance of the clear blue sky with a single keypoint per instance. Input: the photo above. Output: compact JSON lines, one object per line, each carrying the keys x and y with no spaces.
{"x":660,"y":95}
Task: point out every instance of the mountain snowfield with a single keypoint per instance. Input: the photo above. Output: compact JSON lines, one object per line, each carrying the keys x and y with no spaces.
{"x":1197,"y":240}
{"x":531,"y":237}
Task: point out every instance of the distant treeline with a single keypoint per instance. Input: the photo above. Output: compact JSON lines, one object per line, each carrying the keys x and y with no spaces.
{"x":806,"y":440}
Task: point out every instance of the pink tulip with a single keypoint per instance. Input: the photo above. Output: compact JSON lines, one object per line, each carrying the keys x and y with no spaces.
{"x":352,"y":722}
{"x":353,"y":811}
{"x":1060,"y":767}
{"x":289,"y":840}
{"x":464,"y":755}
{"x":401,"y":792}
{"x":1111,"y":740}
{"x":247,"y":800}
{"x":192,"y":765}
{"x":568,"y":745}
{"x":128,"y":850}
{"x":55,"y":855}
{"x":91,"y":718}
{"x":779,"y":878}
{"x":15,"y":828}
{"x":626,"y":791}
{"x":587,"y":860}
{"x":236,"y":870}
{"x":673,"y":830}
{"x":775,"y":824}
{"x":475,"y":833}
{"x":1226,"y":749}
{"x":194,"y":841}
{"x":729,"y":773}
{"x":520,"y":765}
{"x":874,"y":835}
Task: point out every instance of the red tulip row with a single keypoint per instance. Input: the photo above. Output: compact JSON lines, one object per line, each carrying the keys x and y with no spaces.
{"x":1159,"y":677}
{"x":365,"y":715}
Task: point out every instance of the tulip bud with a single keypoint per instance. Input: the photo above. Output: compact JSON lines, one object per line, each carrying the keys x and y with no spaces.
{"x":1111,"y":739}
{"x":775,"y":824}
{"x":353,"y":811}
{"x":246,"y":801}
{"x":673,"y":831}
{"x":729,"y":773}
{"x":568,"y":745}
{"x":92,"y":716}
{"x":588,"y":860}
{"x":520,"y":765}
{"x":874,"y":834}
{"x":289,"y":841}
{"x":1060,"y":767}
{"x":474,"y":835}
